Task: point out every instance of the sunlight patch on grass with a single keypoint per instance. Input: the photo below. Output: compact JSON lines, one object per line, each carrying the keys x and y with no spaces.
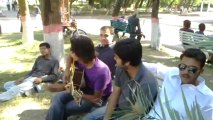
{"x":12,"y":111}
{"x":171,"y":52}
{"x":19,"y":67}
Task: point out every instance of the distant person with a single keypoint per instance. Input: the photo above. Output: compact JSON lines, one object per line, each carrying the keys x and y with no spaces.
{"x":45,"y":69}
{"x":186,"y":26}
{"x":14,"y":3}
{"x":8,"y":5}
{"x":134,"y":27}
{"x":38,"y":16}
{"x":19,"y":17}
{"x":202,"y":28}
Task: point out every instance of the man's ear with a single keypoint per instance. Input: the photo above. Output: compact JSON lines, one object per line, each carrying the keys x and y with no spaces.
{"x":127,"y":64}
{"x":201,"y":70}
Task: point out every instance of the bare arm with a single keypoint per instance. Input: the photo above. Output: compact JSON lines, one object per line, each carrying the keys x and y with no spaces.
{"x":67,"y":69}
{"x":114,"y":97}
{"x":95,"y":98}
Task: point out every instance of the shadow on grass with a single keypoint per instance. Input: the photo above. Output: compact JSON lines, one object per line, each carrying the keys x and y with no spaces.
{"x":38,"y":36}
{"x":14,"y":39}
{"x":10,"y":76}
{"x":33,"y":114}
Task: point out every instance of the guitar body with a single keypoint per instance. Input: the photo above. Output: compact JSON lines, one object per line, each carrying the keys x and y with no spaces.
{"x":78,"y":78}
{"x":78,"y":82}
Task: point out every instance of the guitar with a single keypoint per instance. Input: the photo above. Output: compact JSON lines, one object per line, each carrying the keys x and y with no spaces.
{"x":77,"y":77}
{"x":75,"y":80}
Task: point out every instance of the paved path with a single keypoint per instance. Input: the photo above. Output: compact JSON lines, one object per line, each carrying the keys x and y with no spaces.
{"x":169,"y":25}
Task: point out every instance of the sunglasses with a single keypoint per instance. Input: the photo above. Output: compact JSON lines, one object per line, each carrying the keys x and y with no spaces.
{"x":104,"y":35}
{"x":191,"y":69}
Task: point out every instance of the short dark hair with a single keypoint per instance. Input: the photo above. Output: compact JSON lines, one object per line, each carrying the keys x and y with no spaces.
{"x":196,"y":54}
{"x":47,"y":45}
{"x":83,"y":47}
{"x":202,"y":27}
{"x":129,"y":50}
{"x":110,"y":28}
{"x":186,"y":24}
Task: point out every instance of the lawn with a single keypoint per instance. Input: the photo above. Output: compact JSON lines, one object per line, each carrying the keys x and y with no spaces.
{"x":17,"y":60}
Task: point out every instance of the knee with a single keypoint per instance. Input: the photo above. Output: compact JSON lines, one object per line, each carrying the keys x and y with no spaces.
{"x":59,"y":98}
{"x":8,"y":85}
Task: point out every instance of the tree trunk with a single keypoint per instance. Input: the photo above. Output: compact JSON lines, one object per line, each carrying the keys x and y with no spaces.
{"x":117,"y":8}
{"x":91,"y":4}
{"x":155,"y":33}
{"x":53,"y":33}
{"x":141,"y":3}
{"x":171,"y":3}
{"x":26,"y":23}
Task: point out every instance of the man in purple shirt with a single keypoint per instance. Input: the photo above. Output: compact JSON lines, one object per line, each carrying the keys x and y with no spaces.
{"x":98,"y":84}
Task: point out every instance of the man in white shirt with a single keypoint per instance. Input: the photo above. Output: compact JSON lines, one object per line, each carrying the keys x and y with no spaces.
{"x":185,"y":78}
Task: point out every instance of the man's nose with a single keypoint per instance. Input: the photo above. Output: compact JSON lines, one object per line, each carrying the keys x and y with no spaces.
{"x":185,"y":71}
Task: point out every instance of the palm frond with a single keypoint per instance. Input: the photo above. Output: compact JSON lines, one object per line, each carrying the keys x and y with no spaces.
{"x":186,"y":105}
{"x":139,"y":103}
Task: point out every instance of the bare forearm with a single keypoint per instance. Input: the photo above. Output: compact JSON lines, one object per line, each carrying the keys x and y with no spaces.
{"x":110,"y":108}
{"x":91,"y":98}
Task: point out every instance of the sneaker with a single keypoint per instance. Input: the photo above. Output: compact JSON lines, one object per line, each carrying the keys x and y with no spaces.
{"x":28,"y":93}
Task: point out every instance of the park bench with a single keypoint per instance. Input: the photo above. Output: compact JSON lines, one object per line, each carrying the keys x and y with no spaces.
{"x":120,"y":26}
{"x":193,"y":40}
{"x":124,"y":27}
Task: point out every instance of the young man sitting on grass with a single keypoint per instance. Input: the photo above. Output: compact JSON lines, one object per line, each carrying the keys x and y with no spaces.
{"x":45,"y":69}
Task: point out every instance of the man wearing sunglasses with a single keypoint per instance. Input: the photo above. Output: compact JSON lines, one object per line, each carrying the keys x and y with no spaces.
{"x":185,"y":78}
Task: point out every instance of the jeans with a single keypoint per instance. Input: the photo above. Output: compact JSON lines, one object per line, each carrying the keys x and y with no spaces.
{"x":97,"y":114}
{"x":14,"y":90}
{"x":63,"y":106}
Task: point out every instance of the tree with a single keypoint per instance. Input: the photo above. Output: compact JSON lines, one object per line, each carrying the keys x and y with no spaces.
{"x":27,"y":33}
{"x":53,"y":33}
{"x":155,"y":33}
{"x":91,"y":4}
{"x":107,"y":4}
{"x":116,"y":9}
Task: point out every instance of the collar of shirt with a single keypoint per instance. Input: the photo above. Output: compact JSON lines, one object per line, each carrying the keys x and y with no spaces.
{"x":172,"y":83}
{"x":103,"y":46}
{"x":49,"y":58}
{"x":140,"y":73}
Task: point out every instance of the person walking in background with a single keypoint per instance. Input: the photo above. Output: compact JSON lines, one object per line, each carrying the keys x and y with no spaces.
{"x":186,"y":26}
{"x":19,"y":17}
{"x":8,"y":5}
{"x":14,"y":3}
{"x":201,"y":27}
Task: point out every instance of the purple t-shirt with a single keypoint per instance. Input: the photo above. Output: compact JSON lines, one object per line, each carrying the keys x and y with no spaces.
{"x":99,"y":77}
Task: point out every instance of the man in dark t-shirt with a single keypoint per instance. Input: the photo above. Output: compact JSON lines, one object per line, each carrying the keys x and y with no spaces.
{"x":104,"y":50}
{"x":186,"y":26}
